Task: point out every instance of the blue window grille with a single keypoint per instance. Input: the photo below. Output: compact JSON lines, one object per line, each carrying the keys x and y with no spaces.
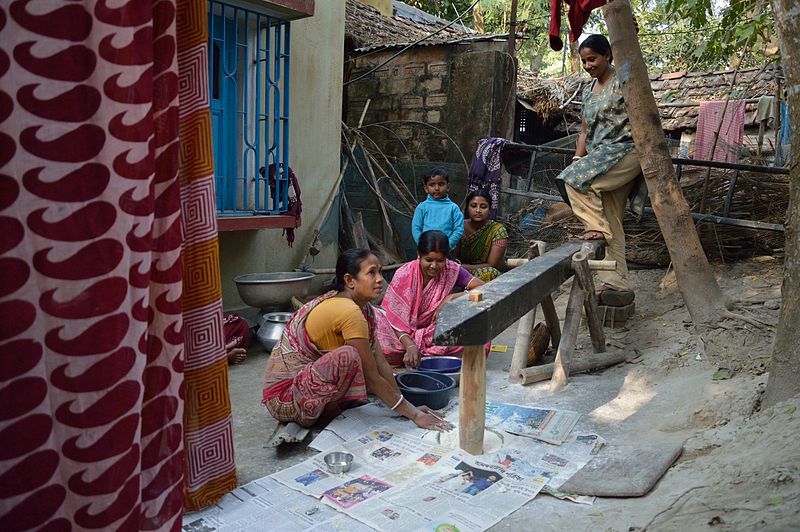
{"x":249,"y":89}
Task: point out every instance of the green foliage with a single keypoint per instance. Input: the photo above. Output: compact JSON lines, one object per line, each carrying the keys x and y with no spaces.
{"x":705,"y":35}
{"x":675,"y":35}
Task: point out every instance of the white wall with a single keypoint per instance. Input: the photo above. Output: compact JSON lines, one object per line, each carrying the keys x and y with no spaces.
{"x":317,"y":49}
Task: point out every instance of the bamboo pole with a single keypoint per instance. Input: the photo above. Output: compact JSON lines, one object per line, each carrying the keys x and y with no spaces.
{"x":519,"y":358}
{"x":472,"y":399}
{"x":551,"y":319}
{"x":585,"y":363}
{"x":572,"y":320}
{"x":584,"y":278}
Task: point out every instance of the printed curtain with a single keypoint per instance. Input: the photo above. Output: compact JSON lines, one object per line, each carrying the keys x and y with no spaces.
{"x":114,"y":404}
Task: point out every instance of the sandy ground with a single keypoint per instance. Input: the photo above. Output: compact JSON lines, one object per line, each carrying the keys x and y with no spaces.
{"x":740,"y":468}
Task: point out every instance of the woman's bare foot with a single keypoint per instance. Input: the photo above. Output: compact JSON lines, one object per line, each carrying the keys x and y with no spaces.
{"x":592,"y":235}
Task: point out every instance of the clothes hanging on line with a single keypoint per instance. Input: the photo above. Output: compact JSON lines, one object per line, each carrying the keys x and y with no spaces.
{"x":728,"y":120}
{"x":484,"y":172}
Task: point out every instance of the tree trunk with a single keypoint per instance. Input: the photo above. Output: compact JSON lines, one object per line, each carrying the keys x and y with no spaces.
{"x":699,"y":289}
{"x":574,"y":58}
{"x":477,"y":18}
{"x":784,"y":375}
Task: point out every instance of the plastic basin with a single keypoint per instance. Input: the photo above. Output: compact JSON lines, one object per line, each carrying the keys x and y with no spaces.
{"x":426,"y":388}
{"x":440,"y":364}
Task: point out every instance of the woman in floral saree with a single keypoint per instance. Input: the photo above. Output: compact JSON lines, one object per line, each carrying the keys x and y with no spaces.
{"x":410,"y":307}
{"x":327,"y":359}
{"x":482,"y":250}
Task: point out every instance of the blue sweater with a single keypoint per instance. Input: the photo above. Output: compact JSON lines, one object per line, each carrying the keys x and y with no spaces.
{"x":440,"y":215}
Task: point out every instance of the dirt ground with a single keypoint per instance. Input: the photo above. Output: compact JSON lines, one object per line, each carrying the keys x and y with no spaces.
{"x":740,"y":468}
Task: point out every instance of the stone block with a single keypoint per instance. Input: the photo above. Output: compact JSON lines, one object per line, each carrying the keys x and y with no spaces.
{"x":413,"y":70}
{"x":412,"y":102}
{"x":433,"y":117}
{"x":438,"y":68}
{"x":435,"y":100}
{"x":433,"y":85}
{"x":411,"y":115}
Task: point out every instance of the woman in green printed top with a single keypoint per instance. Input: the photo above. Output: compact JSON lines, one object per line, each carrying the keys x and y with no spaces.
{"x":604,"y":168}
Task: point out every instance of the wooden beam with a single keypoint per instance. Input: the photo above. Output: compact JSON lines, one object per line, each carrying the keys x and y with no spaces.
{"x":472,"y":399}
{"x":507,"y":298}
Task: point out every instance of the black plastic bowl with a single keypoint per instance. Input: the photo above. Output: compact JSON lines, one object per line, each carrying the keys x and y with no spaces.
{"x":440,"y":364}
{"x":426,"y":388}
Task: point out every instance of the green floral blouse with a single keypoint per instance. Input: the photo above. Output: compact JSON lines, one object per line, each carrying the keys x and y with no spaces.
{"x":608,"y":135}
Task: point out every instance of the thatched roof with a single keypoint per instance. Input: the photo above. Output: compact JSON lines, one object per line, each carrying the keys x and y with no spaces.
{"x":678,"y":94}
{"x":366,"y":29}
{"x":546,"y":96}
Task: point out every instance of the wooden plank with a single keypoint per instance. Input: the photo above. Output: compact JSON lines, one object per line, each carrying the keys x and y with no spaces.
{"x":472,"y":399}
{"x":506,"y":299}
{"x":570,"y":334}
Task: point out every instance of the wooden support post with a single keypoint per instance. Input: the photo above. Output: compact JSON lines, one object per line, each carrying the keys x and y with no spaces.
{"x":519,"y":357}
{"x":585,"y":363}
{"x":551,"y":318}
{"x":584,"y":278}
{"x":572,"y":320}
{"x":472,"y":395}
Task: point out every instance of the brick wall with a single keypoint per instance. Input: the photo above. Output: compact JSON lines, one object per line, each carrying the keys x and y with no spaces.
{"x":461,"y":89}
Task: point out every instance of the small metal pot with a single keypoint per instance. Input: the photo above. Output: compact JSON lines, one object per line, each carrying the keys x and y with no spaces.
{"x":271,"y":328}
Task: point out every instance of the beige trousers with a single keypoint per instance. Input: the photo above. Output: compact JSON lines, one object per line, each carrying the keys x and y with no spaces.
{"x":601,"y":209}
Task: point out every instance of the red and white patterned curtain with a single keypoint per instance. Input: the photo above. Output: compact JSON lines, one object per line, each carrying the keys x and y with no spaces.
{"x":114,"y":405}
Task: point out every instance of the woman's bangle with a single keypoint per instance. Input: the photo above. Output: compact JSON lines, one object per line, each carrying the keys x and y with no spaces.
{"x":576,"y":157}
{"x":398,"y":402}
{"x":404,"y":334}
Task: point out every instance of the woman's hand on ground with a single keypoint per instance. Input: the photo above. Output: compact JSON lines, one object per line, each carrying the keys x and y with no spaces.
{"x":425,"y":419}
{"x":236,"y":354}
{"x":412,"y":357}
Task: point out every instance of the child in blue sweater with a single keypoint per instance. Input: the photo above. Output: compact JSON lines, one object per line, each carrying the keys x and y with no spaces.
{"x":438,"y":212}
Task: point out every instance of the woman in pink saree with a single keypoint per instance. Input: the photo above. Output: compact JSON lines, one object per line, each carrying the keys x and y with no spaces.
{"x":327,"y":359}
{"x":410,"y":307}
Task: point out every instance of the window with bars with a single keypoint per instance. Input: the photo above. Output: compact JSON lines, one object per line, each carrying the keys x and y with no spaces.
{"x":249,"y":89}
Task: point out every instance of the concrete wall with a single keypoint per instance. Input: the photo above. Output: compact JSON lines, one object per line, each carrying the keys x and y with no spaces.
{"x":463,"y":89}
{"x":315,"y":129}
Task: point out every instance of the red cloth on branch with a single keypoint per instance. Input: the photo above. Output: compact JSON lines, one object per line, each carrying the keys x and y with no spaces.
{"x":577,"y":15}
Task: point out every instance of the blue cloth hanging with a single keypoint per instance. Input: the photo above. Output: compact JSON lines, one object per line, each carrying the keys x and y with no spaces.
{"x":784,"y":137}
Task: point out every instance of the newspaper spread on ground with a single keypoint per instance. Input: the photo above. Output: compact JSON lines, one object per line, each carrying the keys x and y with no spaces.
{"x":552,"y":426}
{"x":265,"y":504}
{"x":399,"y":482}
{"x":559,"y":462}
{"x":354,"y":422}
